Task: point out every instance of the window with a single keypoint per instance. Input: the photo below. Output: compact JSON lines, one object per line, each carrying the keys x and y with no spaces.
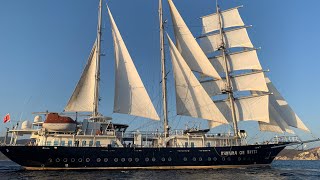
{"x":208,"y":144}
{"x":69,"y":143}
{"x":55,"y":143}
{"x":186,"y":144}
{"x":90,"y":143}
{"x":98,"y":144}
{"x":84,"y":143}
{"x":48,"y":143}
{"x":192,"y":144}
{"x":63,"y":143}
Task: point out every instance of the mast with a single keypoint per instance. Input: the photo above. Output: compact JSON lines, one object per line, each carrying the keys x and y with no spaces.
{"x":97,"y":75}
{"x":163,"y":73}
{"x":229,"y":89}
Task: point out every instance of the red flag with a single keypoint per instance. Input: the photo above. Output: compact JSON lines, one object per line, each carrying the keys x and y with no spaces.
{"x":6,"y":118}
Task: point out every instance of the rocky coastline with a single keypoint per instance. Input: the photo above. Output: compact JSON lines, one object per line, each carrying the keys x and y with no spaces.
{"x":292,"y":154}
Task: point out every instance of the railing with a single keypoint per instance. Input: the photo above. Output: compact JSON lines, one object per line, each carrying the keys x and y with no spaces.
{"x":285,"y":139}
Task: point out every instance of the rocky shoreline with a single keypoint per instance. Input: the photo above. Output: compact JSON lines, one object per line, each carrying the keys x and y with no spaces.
{"x":291,"y":154}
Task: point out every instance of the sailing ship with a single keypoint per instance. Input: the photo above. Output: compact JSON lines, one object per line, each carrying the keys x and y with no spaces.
{"x":218,"y":78}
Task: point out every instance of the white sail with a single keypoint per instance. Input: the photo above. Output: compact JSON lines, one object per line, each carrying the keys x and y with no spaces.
{"x":276,"y":124}
{"x":131,"y":96}
{"x":283,"y":108}
{"x":191,"y":98}
{"x":188,"y":46}
{"x":82,"y":99}
{"x":244,"y":60}
{"x":232,"y":38}
{"x":247,"y":109}
{"x":246,"y":82}
{"x":229,"y":18}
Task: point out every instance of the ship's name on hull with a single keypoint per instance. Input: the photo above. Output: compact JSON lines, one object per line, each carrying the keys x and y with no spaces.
{"x":235,"y":153}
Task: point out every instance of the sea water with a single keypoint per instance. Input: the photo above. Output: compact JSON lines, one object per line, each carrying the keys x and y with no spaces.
{"x":279,"y":170}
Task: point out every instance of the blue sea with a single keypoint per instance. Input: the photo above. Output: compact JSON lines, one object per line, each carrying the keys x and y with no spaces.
{"x":279,"y":170}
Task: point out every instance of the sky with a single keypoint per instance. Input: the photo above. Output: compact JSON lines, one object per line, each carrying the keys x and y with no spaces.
{"x":44,"y":46}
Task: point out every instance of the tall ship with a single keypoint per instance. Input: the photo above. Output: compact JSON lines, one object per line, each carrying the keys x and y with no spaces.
{"x":218,"y":79}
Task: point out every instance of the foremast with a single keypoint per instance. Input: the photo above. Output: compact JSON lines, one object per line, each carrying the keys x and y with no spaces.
{"x":163,"y":72}
{"x":228,"y":89}
{"x":95,"y":111}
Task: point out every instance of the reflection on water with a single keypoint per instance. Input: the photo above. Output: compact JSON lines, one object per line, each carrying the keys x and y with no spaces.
{"x":279,"y":170}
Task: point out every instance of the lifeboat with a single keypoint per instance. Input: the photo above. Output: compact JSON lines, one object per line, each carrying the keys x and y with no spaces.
{"x":54,"y":122}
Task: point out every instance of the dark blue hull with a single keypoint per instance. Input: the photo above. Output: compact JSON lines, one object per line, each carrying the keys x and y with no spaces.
{"x":51,"y":157}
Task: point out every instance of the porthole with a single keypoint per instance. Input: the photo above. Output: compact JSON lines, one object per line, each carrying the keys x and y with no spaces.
{"x":57,"y":160}
{"x":105,"y":159}
{"x":153,"y":159}
{"x":123,"y":159}
{"x":65,"y":160}
{"x":209,"y":158}
{"x":146,"y":159}
{"x":185,"y":159}
{"x":239,"y":158}
{"x":88,"y":160}
{"x":50,"y":160}
{"x":229,"y":159}
{"x":163,"y":159}
{"x":200,"y":158}
{"x":194,"y":159}
{"x":169,"y":159}
{"x":136,"y":159}
{"x":73,"y":159}
{"x":98,"y":160}
{"x":42,"y":165}
{"x":80,"y":160}
{"x":223,"y":159}
{"x":129,"y":159}
{"x":215,"y":159}
{"x":115,"y":159}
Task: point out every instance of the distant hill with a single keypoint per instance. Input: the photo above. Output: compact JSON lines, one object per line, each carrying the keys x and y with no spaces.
{"x":292,"y":154}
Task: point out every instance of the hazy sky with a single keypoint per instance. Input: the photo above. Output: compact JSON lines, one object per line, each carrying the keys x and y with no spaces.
{"x":44,"y":46}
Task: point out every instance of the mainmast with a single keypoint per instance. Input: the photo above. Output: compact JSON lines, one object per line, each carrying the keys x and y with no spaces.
{"x":97,"y":75}
{"x":163,"y":72}
{"x":228,"y":89}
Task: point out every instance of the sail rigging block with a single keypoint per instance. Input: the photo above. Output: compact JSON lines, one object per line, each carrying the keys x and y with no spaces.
{"x":244,"y":60}
{"x":188,"y":46}
{"x":232,"y":38}
{"x":247,"y":82}
{"x":191,"y":99}
{"x":229,"y":18}
{"x":131,"y":96}
{"x":82,"y":99}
